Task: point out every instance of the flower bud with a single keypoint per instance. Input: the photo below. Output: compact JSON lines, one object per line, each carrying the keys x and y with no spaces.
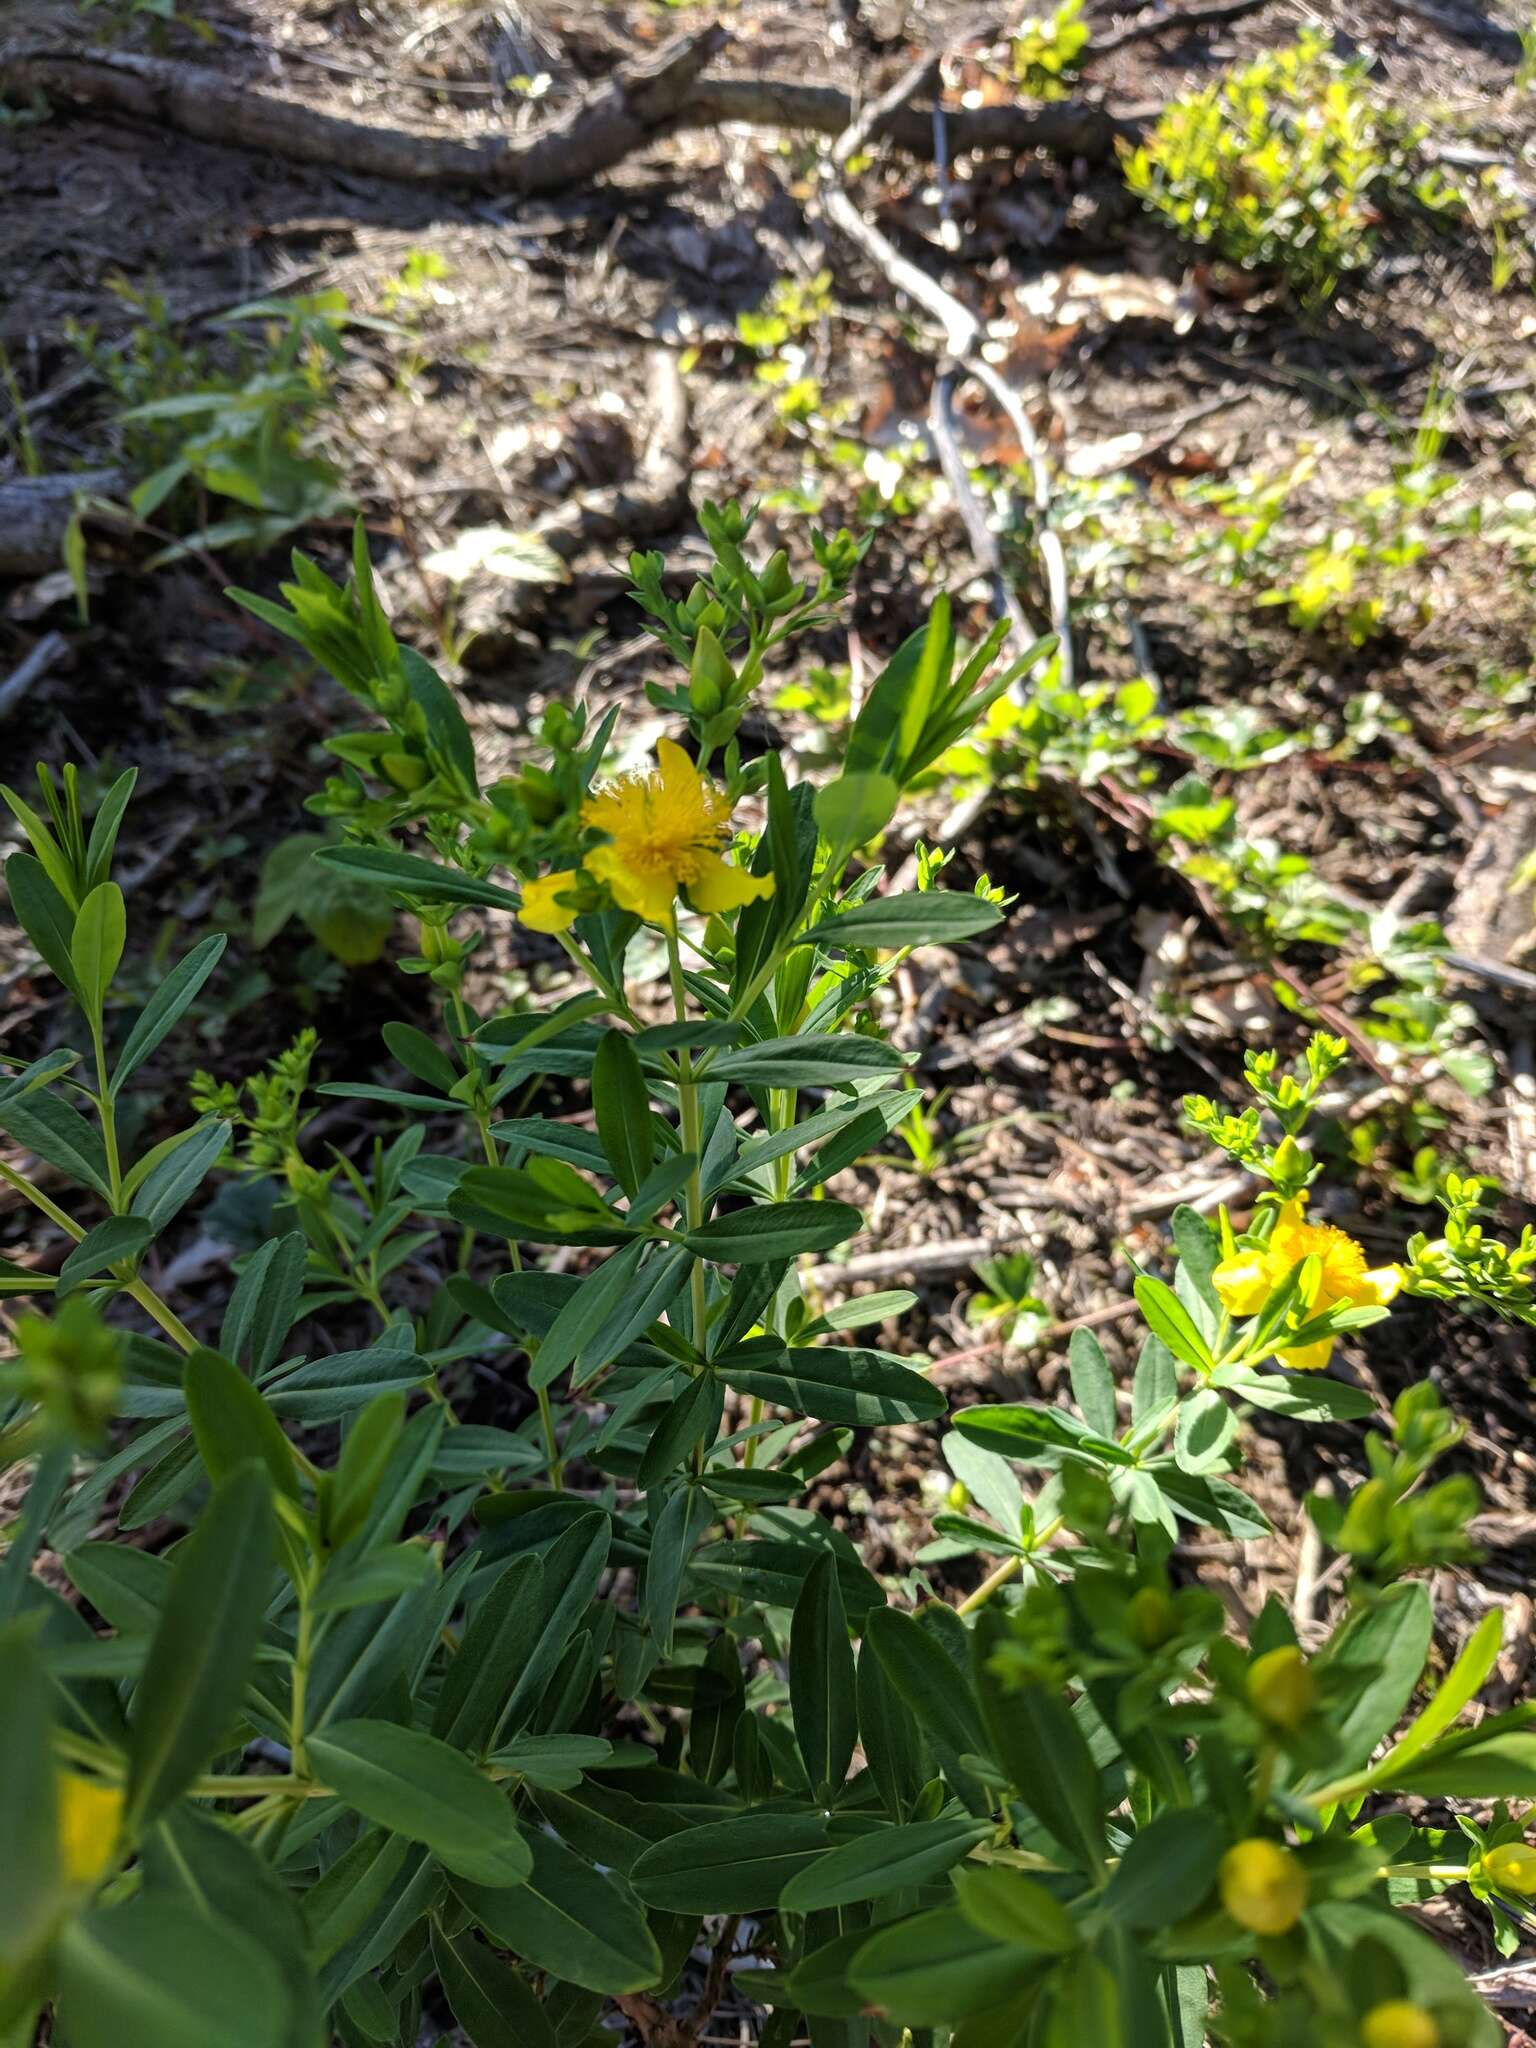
{"x":1149,"y":1616}
{"x":1291,"y":1164}
{"x":1399,"y":2023}
{"x":776,"y":580}
{"x":711,"y":678}
{"x":1281,"y":1689}
{"x":1262,"y":1886}
{"x":1511,"y":1867}
{"x":958,"y":1496}
{"x":405,"y":771}
{"x":541,"y":799}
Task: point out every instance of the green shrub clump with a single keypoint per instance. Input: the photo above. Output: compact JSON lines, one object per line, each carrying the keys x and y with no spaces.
{"x":1283,"y":165}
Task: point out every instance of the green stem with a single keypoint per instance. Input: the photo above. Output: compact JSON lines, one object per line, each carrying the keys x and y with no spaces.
{"x":302,"y":1651}
{"x":39,"y":1200}
{"x":141,"y":1292}
{"x":1008,"y":1569}
{"x":106,"y":1109}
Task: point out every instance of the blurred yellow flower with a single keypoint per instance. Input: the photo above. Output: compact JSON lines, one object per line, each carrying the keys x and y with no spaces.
{"x":542,"y":910}
{"x":1262,"y":1886}
{"x":90,"y":1814}
{"x":663,"y":833}
{"x":1245,"y":1281}
{"x":1512,"y":1868}
{"x":1399,"y":2023}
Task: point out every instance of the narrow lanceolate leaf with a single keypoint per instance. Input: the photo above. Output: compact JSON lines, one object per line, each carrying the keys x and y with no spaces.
{"x":96,"y":945}
{"x":925,"y":1676}
{"x":924,"y":918}
{"x":730,"y":1866}
{"x":195,"y":1676}
{"x":822,"y":1679}
{"x":31,"y":1883}
{"x":571,"y":1921}
{"x":832,"y":1384}
{"x":779,"y":1230}
{"x":55,"y":1131}
{"x":114,"y":1239}
{"x":44,"y":915}
{"x":155,"y":1973}
{"x":622,"y":1107}
{"x":264,"y":1303}
{"x":874,"y":1866}
{"x":491,"y":1656}
{"x":178,"y":1176}
{"x":492,"y":2003}
{"x":167,"y":1005}
{"x":419,"y":1787}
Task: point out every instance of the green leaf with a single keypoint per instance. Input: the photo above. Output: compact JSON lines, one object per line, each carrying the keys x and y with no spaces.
{"x":422,"y":1789}
{"x":1169,"y":1867}
{"x":1204,"y":1433}
{"x":1039,"y":1743}
{"x":937,"y":1968}
{"x":58,"y":1134}
{"x":779,"y":1230}
{"x":571,"y":1921}
{"x":729,"y":1866}
{"x":1458,"y":1689}
{"x":1305,"y":1396}
{"x":924,"y":1674}
{"x":622,"y":1105}
{"x":822,"y":1680}
{"x":1093,"y":1384}
{"x":873,"y":1866}
{"x":888,"y":1731}
{"x":573,"y":1565}
{"x":167,"y":1006}
{"x":195,"y":1675}
{"x":232,"y":1423}
{"x":1033,"y":1435}
{"x":117,"y":1238}
{"x":96,"y":946}
{"x":1373,"y":1665}
{"x":855,"y":809}
{"x":31,"y":1881}
{"x":814,"y":1059}
{"x":178,"y":1176}
{"x":105,"y":826}
{"x":926,"y":917}
{"x":421,"y":881}
{"x":1168,"y":1318}
{"x":488,"y":1998}
{"x":155,"y":1973}
{"x":264,"y":1303}
{"x":831,"y":1384}
{"x":491,"y":1656}
{"x":585,"y":1313}
{"x":44,"y":915}
{"x":1012,"y":1907}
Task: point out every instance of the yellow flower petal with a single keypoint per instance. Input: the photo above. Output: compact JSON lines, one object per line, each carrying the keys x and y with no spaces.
{"x":90,"y":1814}
{"x":1243,"y":1283}
{"x":648,"y":892}
{"x":716,"y":885}
{"x":1381,"y":1284}
{"x":1262,"y":1886}
{"x":542,"y":911}
{"x":1308,"y":1357}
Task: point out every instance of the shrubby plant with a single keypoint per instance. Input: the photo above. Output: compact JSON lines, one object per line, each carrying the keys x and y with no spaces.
{"x":403,"y":1714}
{"x":1284,"y":165}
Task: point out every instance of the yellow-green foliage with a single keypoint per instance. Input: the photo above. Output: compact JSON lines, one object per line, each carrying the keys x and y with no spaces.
{"x":1048,"y":48}
{"x":1282,"y":165}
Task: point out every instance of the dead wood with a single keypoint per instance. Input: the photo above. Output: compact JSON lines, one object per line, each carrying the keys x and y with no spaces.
{"x":639,"y":106}
{"x":35,"y":512}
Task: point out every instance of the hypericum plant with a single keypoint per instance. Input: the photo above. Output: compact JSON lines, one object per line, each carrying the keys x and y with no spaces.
{"x":484,"y":1672}
{"x":1282,"y":165}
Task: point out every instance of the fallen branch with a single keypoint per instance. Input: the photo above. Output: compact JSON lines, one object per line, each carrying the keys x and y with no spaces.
{"x":636,"y":107}
{"x":35,"y":512}
{"x":639,"y":106}
{"x":46,"y":654}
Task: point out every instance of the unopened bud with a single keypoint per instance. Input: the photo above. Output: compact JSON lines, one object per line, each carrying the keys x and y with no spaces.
{"x":1150,"y":1617}
{"x":1281,"y":1688}
{"x":1511,"y":1867}
{"x":1262,"y":1886}
{"x":1399,"y":2023}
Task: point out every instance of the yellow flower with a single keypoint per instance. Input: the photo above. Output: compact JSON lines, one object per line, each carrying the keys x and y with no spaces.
{"x":90,"y":1814}
{"x":1399,"y":2023}
{"x":1512,"y":1868}
{"x":1262,"y":1886}
{"x":663,"y":832}
{"x":542,"y":910}
{"x":1247,"y":1279}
